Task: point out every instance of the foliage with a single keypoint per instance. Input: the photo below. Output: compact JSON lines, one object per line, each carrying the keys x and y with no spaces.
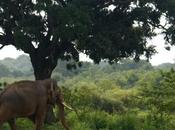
{"x":103,"y":30}
{"x":125,"y":96}
{"x":159,"y":99}
{"x":20,"y":66}
{"x":4,"y":71}
{"x":102,"y":26}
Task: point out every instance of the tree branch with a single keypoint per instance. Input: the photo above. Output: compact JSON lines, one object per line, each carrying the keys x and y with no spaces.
{"x":63,"y":3}
{"x":30,"y":49}
{"x":112,"y":2}
{"x":2,"y":47}
{"x":3,"y":42}
{"x":2,"y":33}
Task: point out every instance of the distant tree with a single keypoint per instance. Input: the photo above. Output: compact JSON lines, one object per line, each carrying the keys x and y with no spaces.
{"x":20,"y":66}
{"x":159,"y":99}
{"x":4,"y":71}
{"x":62,"y":68}
{"x":166,"y":66}
{"x":17,"y":73}
{"x":5,"y":84}
{"x":128,"y":64}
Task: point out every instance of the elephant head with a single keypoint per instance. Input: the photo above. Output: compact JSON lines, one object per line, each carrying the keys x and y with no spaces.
{"x":55,"y":97}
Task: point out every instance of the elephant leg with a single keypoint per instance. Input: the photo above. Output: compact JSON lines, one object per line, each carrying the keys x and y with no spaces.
{"x":50,"y":117}
{"x":12,"y":124}
{"x":39,"y":119}
{"x":1,"y":121}
{"x":39,"y":122}
{"x":32,"y":118}
{"x":1,"y":125}
{"x":3,"y":116}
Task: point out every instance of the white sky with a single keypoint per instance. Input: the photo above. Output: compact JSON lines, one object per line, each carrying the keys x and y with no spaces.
{"x":10,"y":51}
{"x":163,"y":55}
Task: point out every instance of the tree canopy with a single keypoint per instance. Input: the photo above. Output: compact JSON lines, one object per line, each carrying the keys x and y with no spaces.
{"x":102,"y":29}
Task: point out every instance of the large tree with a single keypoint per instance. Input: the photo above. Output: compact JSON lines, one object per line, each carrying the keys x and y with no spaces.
{"x":102,"y":29}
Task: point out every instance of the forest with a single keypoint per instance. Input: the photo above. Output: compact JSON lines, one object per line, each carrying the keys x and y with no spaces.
{"x":127,"y":95}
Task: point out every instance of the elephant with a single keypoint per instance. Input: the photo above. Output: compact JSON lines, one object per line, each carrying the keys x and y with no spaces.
{"x":30,"y":99}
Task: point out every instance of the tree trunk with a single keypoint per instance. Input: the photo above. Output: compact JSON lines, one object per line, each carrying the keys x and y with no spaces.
{"x":43,"y":70}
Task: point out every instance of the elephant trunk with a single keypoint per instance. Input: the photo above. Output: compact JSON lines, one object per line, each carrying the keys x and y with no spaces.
{"x":61,"y":105}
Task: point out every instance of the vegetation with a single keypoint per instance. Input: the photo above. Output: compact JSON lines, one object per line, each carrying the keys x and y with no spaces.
{"x":124,"y":96}
{"x":110,"y":30}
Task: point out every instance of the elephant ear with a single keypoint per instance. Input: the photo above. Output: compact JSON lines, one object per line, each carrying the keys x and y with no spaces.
{"x":51,"y":91}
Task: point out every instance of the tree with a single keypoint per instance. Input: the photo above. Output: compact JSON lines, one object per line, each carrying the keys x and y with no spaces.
{"x":52,"y":29}
{"x":4,"y":71}
{"x":159,"y":99}
{"x":49,"y":30}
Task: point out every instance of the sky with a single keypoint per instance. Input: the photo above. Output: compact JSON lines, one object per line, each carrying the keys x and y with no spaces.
{"x":163,"y":56}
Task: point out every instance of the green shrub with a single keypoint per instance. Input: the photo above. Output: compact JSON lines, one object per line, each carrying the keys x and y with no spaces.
{"x":128,"y":122}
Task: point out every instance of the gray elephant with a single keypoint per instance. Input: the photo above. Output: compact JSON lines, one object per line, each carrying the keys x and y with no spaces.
{"x":30,"y":99}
